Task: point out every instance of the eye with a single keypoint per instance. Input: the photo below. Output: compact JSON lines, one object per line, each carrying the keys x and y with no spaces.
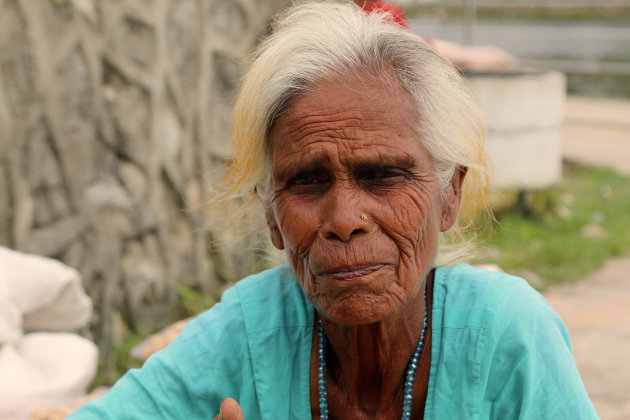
{"x":308,"y":181}
{"x":381,"y":176}
{"x":304,"y":180}
{"x":381,"y":172}
{"x":385,"y":173}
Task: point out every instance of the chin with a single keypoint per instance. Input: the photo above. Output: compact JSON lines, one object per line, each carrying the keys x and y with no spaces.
{"x":355,"y":310}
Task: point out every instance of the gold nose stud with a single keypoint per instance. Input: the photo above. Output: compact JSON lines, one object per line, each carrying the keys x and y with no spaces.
{"x":364,"y":217}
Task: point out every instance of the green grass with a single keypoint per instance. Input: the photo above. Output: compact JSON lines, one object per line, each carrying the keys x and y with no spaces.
{"x":603,"y":85}
{"x":563,"y":233}
{"x":115,"y":361}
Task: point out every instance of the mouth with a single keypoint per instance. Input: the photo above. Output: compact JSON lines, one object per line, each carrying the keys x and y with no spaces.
{"x":351,"y":272}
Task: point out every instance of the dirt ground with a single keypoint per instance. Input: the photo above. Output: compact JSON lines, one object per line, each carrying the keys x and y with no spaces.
{"x":596,"y":312}
{"x":597,"y":309}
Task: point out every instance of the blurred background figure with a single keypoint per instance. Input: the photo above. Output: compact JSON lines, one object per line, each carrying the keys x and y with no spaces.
{"x":475,"y":58}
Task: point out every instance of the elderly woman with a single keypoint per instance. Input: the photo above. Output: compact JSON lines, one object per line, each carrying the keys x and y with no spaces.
{"x":365,"y":150}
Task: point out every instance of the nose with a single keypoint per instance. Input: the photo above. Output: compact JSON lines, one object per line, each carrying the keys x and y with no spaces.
{"x":341,"y":214}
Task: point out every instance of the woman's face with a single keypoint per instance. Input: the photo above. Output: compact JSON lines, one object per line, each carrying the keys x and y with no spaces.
{"x":356,"y":202}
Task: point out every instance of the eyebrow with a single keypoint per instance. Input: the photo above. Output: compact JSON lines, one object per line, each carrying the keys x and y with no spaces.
{"x":311,"y":165}
{"x":404,"y":162}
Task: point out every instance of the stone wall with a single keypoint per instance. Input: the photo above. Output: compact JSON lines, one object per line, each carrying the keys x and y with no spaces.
{"x":113,"y":124}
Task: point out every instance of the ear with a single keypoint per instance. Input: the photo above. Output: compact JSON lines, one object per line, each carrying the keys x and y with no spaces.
{"x":452,"y":198}
{"x":274,"y":231}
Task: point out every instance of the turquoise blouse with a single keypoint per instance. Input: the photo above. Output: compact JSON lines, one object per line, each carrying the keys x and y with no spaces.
{"x":498,"y":352}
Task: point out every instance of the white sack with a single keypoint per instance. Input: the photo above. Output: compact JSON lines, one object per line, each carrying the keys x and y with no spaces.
{"x":38,"y":293}
{"x":10,"y":315}
{"x":44,"y":367}
{"x":47,"y":293}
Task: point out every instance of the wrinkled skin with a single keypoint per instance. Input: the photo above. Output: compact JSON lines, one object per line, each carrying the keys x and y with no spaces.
{"x":344,"y":150}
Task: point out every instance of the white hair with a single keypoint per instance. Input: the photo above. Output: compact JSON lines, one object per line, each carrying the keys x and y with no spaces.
{"x":327,"y":40}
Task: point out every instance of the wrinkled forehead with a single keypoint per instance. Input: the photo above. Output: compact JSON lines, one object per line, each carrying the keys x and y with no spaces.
{"x":344,"y":104}
{"x":366,"y":80}
{"x":347,"y":122}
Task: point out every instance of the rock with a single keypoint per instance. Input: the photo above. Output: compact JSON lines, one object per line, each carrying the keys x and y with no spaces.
{"x":107,"y":194}
{"x":134,"y":181}
{"x":227,"y":18}
{"x":183,"y":40}
{"x":57,"y":17}
{"x":17,"y":60}
{"x":120,"y":329}
{"x":593,"y":231}
{"x":564,"y":212}
{"x":42,"y":171}
{"x":192,"y":195}
{"x":5,"y":208}
{"x":598,"y":217}
{"x":128,"y":108}
{"x":54,"y":237}
{"x":226,"y":73}
{"x":6,"y":124}
{"x":75,"y":107}
{"x":140,"y":275}
{"x":606,"y":191}
{"x":170,"y":140}
{"x":88,"y":9}
{"x":136,"y":41}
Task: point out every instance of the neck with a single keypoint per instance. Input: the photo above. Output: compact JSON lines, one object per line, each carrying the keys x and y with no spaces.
{"x":369,"y":362}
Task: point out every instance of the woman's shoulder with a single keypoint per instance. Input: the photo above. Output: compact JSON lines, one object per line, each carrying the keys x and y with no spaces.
{"x":508,"y":349}
{"x":503,"y":310}
{"x":471,"y":279}
{"x":266,"y":300}
{"x":478,"y":296}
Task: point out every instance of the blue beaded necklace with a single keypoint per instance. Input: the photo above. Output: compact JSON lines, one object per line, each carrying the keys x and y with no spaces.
{"x":409,"y":377}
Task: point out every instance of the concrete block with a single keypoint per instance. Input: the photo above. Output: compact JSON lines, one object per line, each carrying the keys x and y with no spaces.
{"x":524,"y":111}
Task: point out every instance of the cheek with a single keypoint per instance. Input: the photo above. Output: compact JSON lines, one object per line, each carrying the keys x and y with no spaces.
{"x":406,"y":217}
{"x":412,"y":220}
{"x":297,"y":222}
{"x":296,"y":227}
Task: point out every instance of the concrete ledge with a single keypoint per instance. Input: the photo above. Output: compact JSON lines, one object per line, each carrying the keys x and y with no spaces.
{"x":524,"y":113}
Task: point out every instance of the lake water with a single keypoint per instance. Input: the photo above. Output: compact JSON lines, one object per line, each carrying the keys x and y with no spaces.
{"x":594,"y":55}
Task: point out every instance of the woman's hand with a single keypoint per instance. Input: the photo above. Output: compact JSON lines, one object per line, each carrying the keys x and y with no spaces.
{"x":230,"y":410}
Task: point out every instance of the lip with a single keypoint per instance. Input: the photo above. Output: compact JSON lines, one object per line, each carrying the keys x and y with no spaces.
{"x":351,"y":272}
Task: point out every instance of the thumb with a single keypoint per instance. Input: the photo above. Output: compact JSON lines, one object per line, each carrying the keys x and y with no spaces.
{"x":230,"y":410}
